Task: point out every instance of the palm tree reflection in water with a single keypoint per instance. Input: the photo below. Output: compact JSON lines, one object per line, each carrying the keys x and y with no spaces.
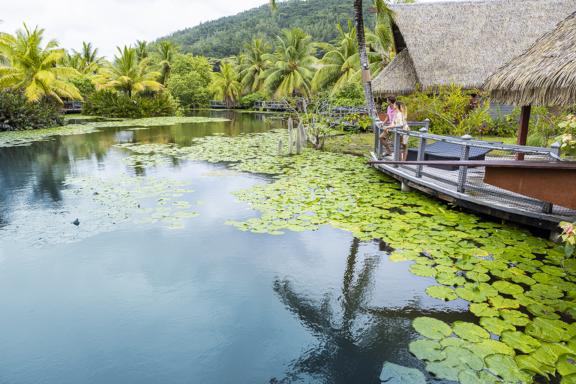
{"x":353,"y":340}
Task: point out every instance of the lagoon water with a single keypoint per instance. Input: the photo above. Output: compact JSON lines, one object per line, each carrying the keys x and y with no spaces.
{"x":113,"y":301}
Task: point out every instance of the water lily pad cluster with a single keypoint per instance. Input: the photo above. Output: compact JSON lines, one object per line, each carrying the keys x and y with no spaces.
{"x":520,"y":287}
{"x":137,"y":200}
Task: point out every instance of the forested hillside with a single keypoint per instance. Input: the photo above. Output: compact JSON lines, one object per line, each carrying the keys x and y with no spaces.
{"x":226,"y":36}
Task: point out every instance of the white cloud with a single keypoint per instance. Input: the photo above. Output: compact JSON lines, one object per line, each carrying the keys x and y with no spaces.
{"x":111,"y":23}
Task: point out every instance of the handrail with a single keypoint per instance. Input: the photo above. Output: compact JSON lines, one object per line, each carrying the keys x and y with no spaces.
{"x":476,"y":143}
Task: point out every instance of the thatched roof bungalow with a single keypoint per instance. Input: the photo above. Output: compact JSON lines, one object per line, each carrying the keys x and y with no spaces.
{"x":464,"y":42}
{"x":543,"y":75}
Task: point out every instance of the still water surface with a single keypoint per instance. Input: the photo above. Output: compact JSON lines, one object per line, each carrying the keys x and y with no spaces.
{"x":113,"y":302}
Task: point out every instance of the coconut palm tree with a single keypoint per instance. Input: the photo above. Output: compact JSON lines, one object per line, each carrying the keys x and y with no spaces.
{"x":87,"y":61}
{"x":292,"y":65}
{"x":33,"y":67}
{"x":226,"y":84}
{"x":341,"y":62}
{"x":128,"y":74}
{"x":254,"y":65}
{"x":142,"y":50}
{"x":165,"y":53}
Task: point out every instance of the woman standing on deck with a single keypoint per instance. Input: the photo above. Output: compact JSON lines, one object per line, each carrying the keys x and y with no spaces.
{"x":399,"y":119}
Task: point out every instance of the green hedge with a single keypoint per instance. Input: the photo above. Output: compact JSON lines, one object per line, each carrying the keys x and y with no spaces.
{"x":17,"y":114}
{"x":109,"y":103}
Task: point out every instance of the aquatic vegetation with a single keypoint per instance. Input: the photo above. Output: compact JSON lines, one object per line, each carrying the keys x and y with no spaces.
{"x":137,"y":200}
{"x":16,"y":138}
{"x":521,"y":288}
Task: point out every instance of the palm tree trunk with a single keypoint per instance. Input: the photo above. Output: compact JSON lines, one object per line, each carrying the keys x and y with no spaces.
{"x":364,"y":56}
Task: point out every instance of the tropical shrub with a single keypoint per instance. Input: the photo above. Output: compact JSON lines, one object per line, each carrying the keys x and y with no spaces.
{"x":109,"y":103}
{"x":17,"y":113}
{"x":568,"y":138}
{"x":448,"y":109}
{"x":189,"y":80}
{"x":248,"y":100}
{"x":190,"y":89}
{"x":84,"y":85}
{"x":350,"y":95}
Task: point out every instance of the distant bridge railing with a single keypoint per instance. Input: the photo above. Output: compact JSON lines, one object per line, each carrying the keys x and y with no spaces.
{"x":72,"y":106}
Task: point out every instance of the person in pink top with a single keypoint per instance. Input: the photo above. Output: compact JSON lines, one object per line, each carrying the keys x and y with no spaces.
{"x":391,"y":112}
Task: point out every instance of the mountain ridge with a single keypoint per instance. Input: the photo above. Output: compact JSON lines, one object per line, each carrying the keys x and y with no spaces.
{"x":226,"y":36}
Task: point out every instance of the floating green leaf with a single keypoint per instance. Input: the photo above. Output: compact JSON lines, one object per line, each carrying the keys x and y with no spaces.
{"x":489,"y":347}
{"x":422,"y":270}
{"x":505,"y":367}
{"x":397,"y":374}
{"x":500,"y":302}
{"x":470,"y":332}
{"x":529,"y":363}
{"x":566,"y":364}
{"x":520,"y":341}
{"x":514,"y":317}
{"x":431,"y":328}
{"x":508,"y":288}
{"x":427,"y":350}
{"x":495,"y":325}
{"x":548,"y":329}
{"x":441,"y":292}
{"x":476,"y":292}
{"x":483,"y":310}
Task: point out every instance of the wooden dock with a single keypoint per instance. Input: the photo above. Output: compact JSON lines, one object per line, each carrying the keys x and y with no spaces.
{"x":464,"y":186}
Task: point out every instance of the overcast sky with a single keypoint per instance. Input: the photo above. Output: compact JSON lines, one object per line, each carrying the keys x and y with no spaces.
{"x":110,"y":23}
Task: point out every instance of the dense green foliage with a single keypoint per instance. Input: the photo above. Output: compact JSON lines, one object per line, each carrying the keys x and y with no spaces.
{"x":226,"y":36}
{"x":108,"y":103}
{"x":17,"y":113}
{"x":190,"y":79}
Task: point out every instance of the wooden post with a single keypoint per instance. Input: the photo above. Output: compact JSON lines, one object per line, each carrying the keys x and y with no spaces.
{"x":421,"y":151}
{"x":290,"y":131}
{"x":463,"y":172}
{"x":523,"y":131}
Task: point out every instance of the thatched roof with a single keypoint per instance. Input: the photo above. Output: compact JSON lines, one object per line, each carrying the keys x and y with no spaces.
{"x":464,"y":42}
{"x":543,"y":75}
{"x":400,"y":75}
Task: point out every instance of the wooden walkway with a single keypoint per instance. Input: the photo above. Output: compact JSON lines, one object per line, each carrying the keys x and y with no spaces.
{"x":465,"y":186}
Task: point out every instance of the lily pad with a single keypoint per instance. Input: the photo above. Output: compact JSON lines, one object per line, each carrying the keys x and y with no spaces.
{"x":508,"y":288}
{"x":431,"y":328}
{"x":520,"y":341}
{"x":422,"y":270}
{"x":566,"y":364}
{"x":549,"y":353}
{"x":500,"y":302}
{"x":397,"y":374}
{"x":470,"y":331}
{"x":548,"y":329}
{"x":516,"y":318}
{"x":495,"y":325}
{"x":477,"y":293}
{"x":429,"y":350}
{"x":483,"y":310}
{"x":529,"y":363}
{"x":489,"y":347}
{"x":441,"y":292}
{"x":505,"y":367}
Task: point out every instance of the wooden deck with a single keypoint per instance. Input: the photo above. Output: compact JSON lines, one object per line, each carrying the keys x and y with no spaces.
{"x":465,"y":186}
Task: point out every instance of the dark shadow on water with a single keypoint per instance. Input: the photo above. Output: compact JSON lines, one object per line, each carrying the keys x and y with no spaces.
{"x":353,"y":338}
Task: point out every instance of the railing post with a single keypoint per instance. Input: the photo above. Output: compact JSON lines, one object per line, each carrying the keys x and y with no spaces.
{"x":376,"y":129}
{"x":421,"y":150}
{"x":427,"y":124}
{"x":397,"y":146}
{"x":463,"y":172}
{"x":555,"y":150}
